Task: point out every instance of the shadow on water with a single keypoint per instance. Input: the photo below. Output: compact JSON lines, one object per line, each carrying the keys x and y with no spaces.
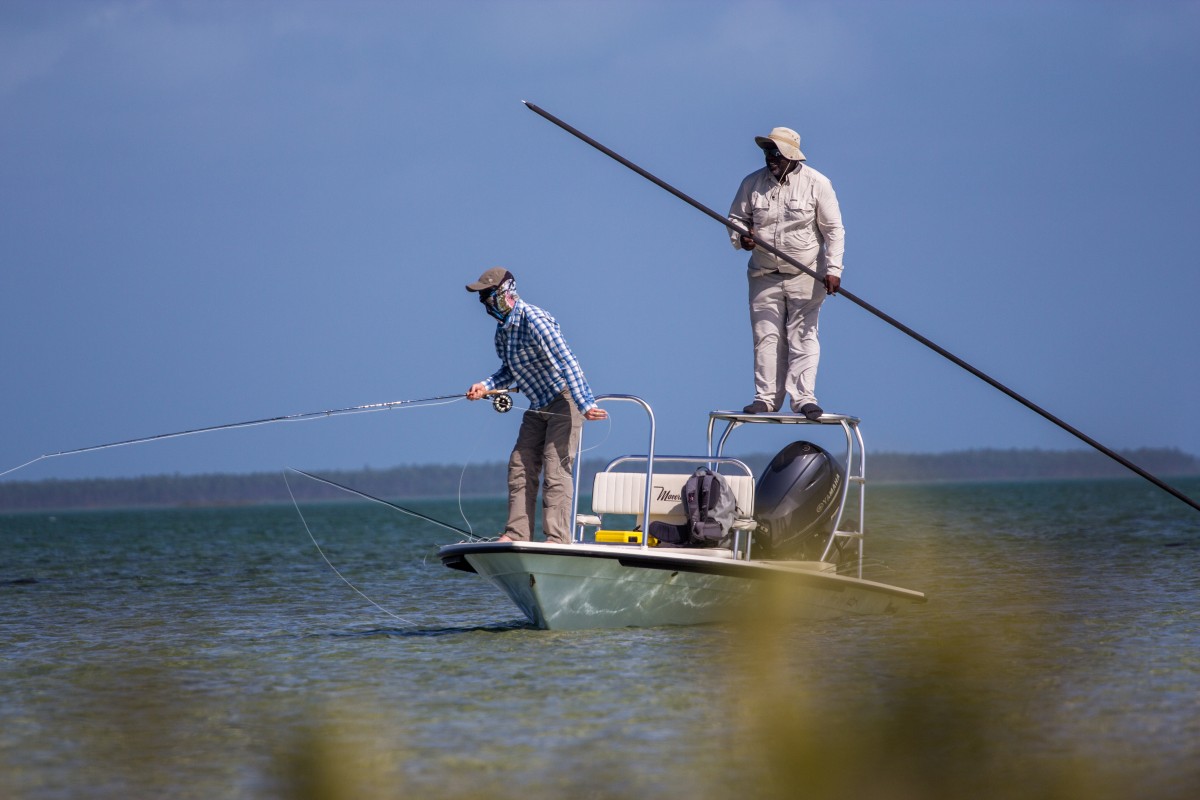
{"x":450,"y":630}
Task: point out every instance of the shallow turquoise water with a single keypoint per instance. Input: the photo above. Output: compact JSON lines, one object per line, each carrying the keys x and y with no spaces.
{"x":214,"y":653}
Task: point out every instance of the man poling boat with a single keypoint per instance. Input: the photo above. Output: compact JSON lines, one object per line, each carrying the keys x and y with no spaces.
{"x":741,"y":230}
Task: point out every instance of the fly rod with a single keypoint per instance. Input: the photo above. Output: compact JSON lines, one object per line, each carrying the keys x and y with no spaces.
{"x":500,"y":401}
{"x":730,"y":224}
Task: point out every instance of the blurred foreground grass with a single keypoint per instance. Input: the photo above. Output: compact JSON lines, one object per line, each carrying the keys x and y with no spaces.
{"x":923,"y":721}
{"x":937,"y":731}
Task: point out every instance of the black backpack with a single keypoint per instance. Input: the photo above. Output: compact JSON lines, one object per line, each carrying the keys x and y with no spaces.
{"x":710,"y":506}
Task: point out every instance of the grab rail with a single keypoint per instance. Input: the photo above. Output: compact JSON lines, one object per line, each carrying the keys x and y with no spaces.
{"x":577,"y":467}
{"x":854,"y":446}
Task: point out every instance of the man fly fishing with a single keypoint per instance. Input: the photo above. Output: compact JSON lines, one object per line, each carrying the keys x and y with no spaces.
{"x":534,"y":355}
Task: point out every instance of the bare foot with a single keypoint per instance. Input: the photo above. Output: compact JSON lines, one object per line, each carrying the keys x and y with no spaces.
{"x":504,"y":537}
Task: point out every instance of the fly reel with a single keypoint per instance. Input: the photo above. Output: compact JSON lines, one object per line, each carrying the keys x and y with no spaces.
{"x":502,"y":402}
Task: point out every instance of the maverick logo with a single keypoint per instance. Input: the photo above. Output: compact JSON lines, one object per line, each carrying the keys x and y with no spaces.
{"x":665,"y":495}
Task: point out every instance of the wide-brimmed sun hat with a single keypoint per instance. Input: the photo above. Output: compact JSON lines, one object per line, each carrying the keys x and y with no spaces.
{"x":786,"y":139}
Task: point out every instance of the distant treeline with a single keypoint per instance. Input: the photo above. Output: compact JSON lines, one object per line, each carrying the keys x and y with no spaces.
{"x":489,"y":480}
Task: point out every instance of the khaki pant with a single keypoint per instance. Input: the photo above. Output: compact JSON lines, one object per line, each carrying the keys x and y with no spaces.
{"x":546,"y":443}
{"x":784,"y":310}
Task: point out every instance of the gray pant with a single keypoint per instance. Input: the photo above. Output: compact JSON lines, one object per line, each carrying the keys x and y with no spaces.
{"x":546,"y":442}
{"x":784,"y":310}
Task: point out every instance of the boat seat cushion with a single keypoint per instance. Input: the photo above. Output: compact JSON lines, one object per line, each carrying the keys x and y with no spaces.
{"x":625,"y":493}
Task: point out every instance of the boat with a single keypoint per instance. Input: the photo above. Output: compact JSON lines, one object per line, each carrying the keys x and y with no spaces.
{"x":790,"y":532}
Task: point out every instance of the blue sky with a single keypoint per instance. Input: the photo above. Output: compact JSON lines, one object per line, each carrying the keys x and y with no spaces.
{"x":222,"y":211}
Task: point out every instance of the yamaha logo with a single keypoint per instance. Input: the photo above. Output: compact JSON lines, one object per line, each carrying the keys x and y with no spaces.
{"x":829,"y":496}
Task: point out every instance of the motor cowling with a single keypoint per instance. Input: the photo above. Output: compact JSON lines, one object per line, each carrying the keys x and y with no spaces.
{"x":796,"y":502}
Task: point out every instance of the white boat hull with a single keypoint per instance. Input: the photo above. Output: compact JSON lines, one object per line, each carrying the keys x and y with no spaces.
{"x":578,"y":586}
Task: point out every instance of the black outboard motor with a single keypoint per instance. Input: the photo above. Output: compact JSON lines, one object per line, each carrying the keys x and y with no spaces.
{"x":796,"y":503}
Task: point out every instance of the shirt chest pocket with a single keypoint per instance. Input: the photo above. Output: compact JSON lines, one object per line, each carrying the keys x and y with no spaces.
{"x":800,"y":210}
{"x":762,"y":209}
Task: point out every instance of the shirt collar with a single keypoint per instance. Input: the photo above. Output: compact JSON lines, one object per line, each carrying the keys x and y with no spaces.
{"x":794,"y":171}
{"x":510,"y":321}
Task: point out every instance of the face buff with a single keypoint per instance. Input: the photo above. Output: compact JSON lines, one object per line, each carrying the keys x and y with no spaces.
{"x":496,"y":301}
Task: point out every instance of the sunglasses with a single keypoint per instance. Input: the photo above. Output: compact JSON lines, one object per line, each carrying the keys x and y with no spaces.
{"x":772,"y":152}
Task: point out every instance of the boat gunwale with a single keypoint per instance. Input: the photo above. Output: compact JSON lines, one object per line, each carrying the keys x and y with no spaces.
{"x":636,"y":557}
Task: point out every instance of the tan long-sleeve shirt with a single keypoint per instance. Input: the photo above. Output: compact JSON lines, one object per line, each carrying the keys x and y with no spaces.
{"x":799,"y":217}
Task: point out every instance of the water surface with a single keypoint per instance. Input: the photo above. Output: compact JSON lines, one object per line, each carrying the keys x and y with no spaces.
{"x":214,"y":653}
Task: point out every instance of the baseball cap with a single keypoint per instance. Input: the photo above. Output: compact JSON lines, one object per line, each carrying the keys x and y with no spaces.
{"x":490,"y":279}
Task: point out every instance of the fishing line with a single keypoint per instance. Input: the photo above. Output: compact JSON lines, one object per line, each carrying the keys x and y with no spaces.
{"x":330,"y":563}
{"x":607,"y":432}
{"x":462,"y":475}
{"x":462,"y":512}
{"x":387,"y":503}
{"x":308,"y":415}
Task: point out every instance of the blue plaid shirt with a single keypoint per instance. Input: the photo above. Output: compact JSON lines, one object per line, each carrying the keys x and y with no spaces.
{"x":533,"y":353}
